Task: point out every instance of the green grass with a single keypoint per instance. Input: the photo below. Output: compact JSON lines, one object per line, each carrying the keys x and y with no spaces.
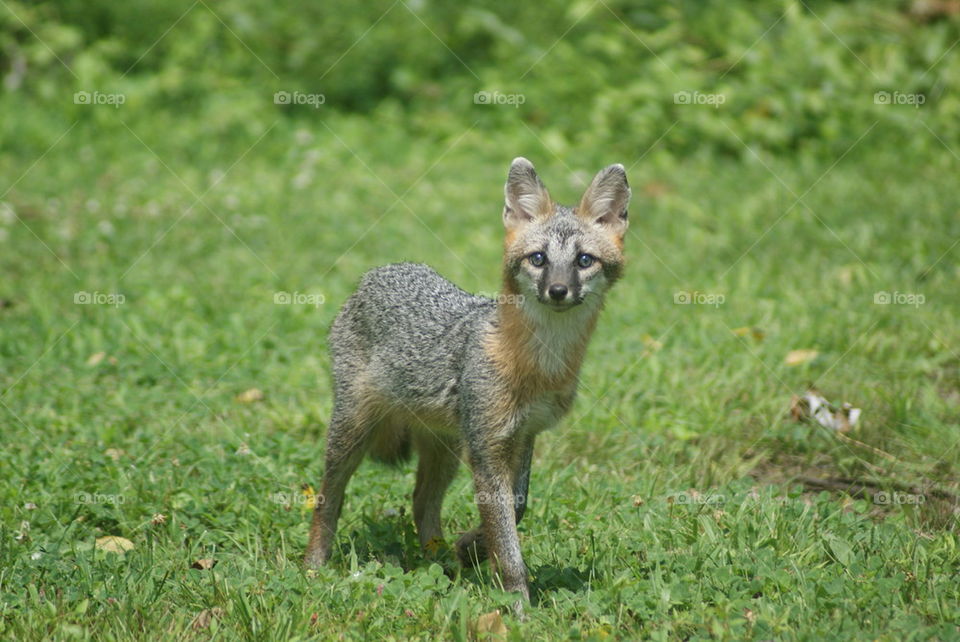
{"x":667,"y":505}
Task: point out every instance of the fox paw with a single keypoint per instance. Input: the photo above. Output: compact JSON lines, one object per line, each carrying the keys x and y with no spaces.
{"x":471,"y":549}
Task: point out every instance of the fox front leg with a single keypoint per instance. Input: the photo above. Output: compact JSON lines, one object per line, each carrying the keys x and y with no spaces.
{"x":493,"y":480}
{"x":471,"y":548}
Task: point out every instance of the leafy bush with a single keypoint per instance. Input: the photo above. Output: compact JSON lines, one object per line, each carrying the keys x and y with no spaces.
{"x":773,"y":74}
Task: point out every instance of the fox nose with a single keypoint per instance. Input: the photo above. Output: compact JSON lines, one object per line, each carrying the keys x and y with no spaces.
{"x":557,"y":291}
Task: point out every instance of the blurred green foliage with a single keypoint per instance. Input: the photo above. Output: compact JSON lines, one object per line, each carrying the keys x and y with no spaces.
{"x":200,"y":198}
{"x":790,"y":74}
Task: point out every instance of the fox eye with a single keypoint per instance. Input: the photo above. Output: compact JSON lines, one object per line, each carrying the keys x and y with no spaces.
{"x":585,"y":260}
{"x":537,"y":259}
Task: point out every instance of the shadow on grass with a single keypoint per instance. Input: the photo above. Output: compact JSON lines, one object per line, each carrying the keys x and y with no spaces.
{"x":549,"y":579}
{"x":394,"y":541}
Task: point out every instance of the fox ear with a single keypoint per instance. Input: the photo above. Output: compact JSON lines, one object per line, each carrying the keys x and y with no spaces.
{"x":526,"y":198}
{"x":605,"y":201}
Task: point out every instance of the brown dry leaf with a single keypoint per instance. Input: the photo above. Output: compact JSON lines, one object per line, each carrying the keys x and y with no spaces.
{"x":752,"y":331}
{"x":845,"y":275}
{"x":114,"y":453}
{"x":651,"y":344}
{"x":205,"y":617}
{"x":489,"y":626}
{"x":250,"y":396}
{"x":929,"y":10}
{"x":114,"y":544}
{"x":204,"y":564}
{"x":97,"y":357}
{"x":750,"y":615}
{"x":798,"y":408}
{"x":435,"y":546}
{"x":799,"y":357}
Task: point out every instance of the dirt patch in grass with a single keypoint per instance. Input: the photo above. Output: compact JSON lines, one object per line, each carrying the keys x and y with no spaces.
{"x":936,"y":504}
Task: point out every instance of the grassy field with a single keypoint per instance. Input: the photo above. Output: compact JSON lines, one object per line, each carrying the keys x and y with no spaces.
{"x":666,"y":505}
{"x":167,"y":279}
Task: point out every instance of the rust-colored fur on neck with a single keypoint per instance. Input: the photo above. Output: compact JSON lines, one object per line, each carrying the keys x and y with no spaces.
{"x":513,"y":347}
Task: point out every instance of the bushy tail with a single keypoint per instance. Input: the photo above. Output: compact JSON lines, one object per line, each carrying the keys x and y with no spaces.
{"x":391,"y":446}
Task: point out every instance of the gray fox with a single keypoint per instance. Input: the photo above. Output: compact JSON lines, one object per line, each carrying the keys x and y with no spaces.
{"x":419,"y":362}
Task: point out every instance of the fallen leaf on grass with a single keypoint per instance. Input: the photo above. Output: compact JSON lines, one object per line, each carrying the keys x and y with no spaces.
{"x":435,"y":546}
{"x":95,"y":359}
{"x":754,"y":332}
{"x":799,"y":357}
{"x":489,"y":626}
{"x":205,"y":617}
{"x":928,"y":10}
{"x":309,"y":498}
{"x":114,"y":544}
{"x":204,"y":564}
{"x":250,"y":396}
{"x":651,"y":344}
{"x":114,"y":453}
{"x":812,"y":405}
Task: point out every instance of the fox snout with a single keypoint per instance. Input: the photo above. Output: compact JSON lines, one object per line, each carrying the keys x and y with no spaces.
{"x":559,"y":297}
{"x":558,"y":292}
{"x":558,"y":289}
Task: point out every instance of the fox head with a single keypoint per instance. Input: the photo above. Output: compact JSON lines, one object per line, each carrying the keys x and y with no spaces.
{"x":559,"y":256}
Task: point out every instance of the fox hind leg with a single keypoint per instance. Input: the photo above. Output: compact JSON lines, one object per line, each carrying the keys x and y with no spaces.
{"x":436,"y":469}
{"x":347,"y":441}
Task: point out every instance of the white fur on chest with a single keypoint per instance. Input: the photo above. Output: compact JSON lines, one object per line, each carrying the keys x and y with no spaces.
{"x":557,"y":336}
